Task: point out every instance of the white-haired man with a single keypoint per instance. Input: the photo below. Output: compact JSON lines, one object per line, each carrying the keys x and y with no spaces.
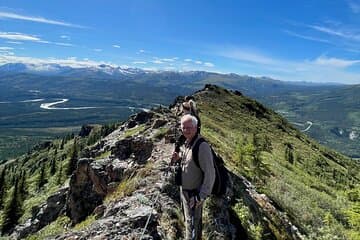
{"x":196,"y":182}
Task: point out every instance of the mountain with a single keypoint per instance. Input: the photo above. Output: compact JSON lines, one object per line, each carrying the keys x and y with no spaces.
{"x":112,"y":181}
{"x":67,"y":70}
{"x":114,"y":92}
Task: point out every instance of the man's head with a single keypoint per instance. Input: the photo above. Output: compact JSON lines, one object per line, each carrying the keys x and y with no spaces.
{"x":189,"y":126}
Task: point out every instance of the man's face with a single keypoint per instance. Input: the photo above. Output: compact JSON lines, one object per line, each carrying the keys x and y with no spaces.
{"x":188,"y":129}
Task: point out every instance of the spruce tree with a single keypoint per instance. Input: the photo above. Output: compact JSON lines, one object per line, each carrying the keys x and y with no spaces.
{"x":62,"y":143}
{"x":59,"y":177}
{"x":22,"y":186}
{"x":52,"y":166}
{"x":2,"y":187}
{"x":42,"y":178}
{"x":73,"y":158}
{"x":289,"y":155}
{"x":12,"y":212}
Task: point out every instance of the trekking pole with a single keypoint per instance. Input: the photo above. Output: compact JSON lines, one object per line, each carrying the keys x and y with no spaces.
{"x":148,"y":219}
{"x":193,"y":222}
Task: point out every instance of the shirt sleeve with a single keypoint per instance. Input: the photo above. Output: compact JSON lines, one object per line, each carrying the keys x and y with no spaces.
{"x":207,"y":166}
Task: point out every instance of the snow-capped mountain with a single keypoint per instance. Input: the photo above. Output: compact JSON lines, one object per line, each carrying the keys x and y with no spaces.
{"x":60,"y":69}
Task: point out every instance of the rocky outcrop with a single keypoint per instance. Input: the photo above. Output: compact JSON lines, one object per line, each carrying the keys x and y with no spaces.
{"x":263,"y":210}
{"x":85,"y":130}
{"x":43,"y":214}
{"x":139,"y":149}
{"x":94,"y":179}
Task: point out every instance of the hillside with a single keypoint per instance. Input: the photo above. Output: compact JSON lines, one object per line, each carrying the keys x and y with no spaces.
{"x":334,"y":113}
{"x":284,"y":184}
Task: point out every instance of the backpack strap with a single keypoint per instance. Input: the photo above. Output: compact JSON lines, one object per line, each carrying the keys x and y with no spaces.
{"x":195,"y":151}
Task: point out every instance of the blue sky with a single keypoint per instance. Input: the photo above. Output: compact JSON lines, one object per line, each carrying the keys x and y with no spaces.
{"x":317,"y":41}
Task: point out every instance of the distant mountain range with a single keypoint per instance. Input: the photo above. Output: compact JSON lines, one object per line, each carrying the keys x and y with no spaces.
{"x":106,"y":85}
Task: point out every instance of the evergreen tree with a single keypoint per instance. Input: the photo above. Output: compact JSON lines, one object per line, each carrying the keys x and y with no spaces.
{"x":52,"y":166}
{"x":22,"y":187}
{"x":12,"y":212}
{"x":289,"y":155}
{"x":2,"y":187}
{"x":59,"y":177}
{"x":62,"y":143}
{"x":73,"y":158}
{"x":42,"y":178}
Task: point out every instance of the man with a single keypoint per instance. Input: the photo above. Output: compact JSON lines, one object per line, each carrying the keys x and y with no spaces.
{"x":196,"y":183}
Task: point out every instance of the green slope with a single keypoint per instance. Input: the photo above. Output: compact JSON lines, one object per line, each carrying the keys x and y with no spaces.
{"x":315,"y":186}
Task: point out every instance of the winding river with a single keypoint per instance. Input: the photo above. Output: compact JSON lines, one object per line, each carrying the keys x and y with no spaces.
{"x":49,"y":106}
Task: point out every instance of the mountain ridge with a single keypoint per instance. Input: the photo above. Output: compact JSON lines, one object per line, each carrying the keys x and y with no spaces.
{"x":254,"y":141}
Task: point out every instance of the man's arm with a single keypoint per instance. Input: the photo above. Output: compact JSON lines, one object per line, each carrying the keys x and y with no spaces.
{"x":206,"y":163}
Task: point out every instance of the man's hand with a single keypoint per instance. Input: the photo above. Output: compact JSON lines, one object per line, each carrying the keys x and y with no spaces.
{"x":174,"y":158}
{"x":195,"y":202}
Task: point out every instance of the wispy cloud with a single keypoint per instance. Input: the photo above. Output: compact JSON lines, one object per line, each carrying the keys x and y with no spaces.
{"x":65,"y":37}
{"x":335,"y":62}
{"x":116,"y":46}
{"x":63,"y":44}
{"x":10,"y":15}
{"x":71,"y":61}
{"x":19,"y":36}
{"x":139,"y":62}
{"x":6,"y":48}
{"x":27,"y":37}
{"x":347,"y":34}
{"x":354,"y":5}
{"x":157,"y":62}
{"x":209,"y":64}
{"x":97,"y":49}
{"x":141,"y":51}
{"x":188,"y":60}
{"x":306,"y":37}
{"x":319,"y":69}
{"x":245,"y":55}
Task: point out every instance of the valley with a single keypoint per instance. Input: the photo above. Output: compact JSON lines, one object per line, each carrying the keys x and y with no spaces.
{"x":71,"y":97}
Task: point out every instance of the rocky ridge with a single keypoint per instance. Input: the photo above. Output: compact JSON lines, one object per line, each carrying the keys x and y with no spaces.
{"x":132,"y":187}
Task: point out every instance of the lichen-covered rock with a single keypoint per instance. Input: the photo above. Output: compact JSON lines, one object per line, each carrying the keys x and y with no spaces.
{"x":43,"y":214}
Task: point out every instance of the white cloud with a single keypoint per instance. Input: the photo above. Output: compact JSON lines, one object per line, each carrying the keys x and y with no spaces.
{"x":9,"y":15}
{"x":19,"y":36}
{"x":168,"y":59}
{"x":157,"y":61}
{"x":116,"y":46}
{"x":139,"y":62}
{"x":335,"y":62}
{"x":320,"y":69}
{"x":27,"y":37}
{"x":71,"y":61}
{"x":246,"y":55}
{"x":62,"y":44}
{"x":347,"y":34}
{"x":209,"y":64}
{"x":198,"y":62}
{"x":141,"y":51}
{"x":188,"y":60}
{"x":6,"y":48}
{"x":97,"y":49}
{"x":65,"y":37}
